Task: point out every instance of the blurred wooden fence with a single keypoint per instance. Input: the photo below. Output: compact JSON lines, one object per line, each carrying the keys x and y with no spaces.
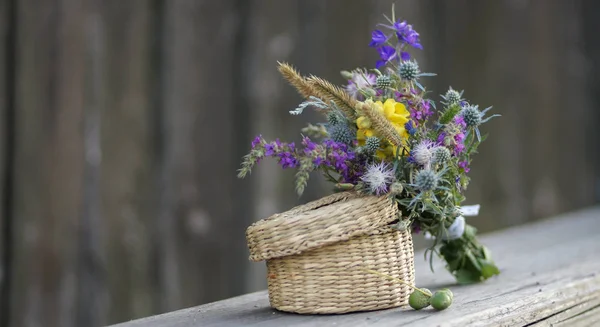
{"x":123,"y":123}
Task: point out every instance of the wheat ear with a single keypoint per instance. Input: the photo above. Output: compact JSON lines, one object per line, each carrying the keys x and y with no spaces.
{"x":381,"y":125}
{"x":295,"y":79}
{"x":330,"y":92}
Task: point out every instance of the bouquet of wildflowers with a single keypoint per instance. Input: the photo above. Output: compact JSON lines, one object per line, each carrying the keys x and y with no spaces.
{"x":385,"y":136}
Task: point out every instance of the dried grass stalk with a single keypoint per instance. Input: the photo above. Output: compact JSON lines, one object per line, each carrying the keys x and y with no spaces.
{"x":330,"y":92}
{"x":301,"y":84}
{"x":381,"y":125}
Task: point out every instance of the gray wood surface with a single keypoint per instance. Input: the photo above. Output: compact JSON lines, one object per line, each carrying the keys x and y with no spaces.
{"x":550,"y":276}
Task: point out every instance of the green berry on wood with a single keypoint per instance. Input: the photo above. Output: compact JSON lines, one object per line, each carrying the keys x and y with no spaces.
{"x":441,"y":300}
{"x":419,"y":298}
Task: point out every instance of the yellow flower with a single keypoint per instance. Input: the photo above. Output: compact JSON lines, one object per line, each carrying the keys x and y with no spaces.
{"x":395,"y":113}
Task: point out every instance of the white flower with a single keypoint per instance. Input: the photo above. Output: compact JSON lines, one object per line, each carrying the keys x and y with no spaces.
{"x":378,"y":177}
{"x":359,"y":82}
{"x":423,"y":152}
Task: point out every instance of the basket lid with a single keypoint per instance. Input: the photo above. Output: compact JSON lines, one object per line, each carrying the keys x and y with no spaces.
{"x":331,"y":219}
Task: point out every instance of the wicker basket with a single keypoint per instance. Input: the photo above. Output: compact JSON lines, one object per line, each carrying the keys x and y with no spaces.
{"x":316,"y":254}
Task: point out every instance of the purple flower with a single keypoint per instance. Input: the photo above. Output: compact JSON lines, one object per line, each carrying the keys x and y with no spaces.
{"x":377,"y":39}
{"x":287,"y":160}
{"x":269,"y":149}
{"x":407,"y":35}
{"x":442,"y":139}
{"x":360,"y":81}
{"x":460,"y":121}
{"x":257,"y":140}
{"x":464,"y":165}
{"x":387,"y":54}
{"x":318,"y":161}
{"x":308,"y":144}
{"x":404,"y":55}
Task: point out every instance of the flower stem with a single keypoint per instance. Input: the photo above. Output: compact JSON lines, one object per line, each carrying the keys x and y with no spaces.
{"x":395,"y":279}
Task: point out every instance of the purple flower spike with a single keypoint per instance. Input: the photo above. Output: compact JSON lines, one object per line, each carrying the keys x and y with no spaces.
{"x":377,"y":39}
{"x":387,"y":54}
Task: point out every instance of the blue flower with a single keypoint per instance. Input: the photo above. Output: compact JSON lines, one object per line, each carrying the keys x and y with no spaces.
{"x":387,"y":54}
{"x":377,"y":39}
{"x":410,"y":128}
{"x":407,"y":35}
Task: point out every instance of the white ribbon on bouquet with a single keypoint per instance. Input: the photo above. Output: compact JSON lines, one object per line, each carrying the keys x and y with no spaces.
{"x":457,"y":228}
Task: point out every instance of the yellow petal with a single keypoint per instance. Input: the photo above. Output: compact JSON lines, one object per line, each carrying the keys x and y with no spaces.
{"x":400,"y":109}
{"x":398,"y":119}
{"x":363,"y":122}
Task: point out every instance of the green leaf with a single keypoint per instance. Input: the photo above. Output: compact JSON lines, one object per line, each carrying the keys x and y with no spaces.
{"x":464,"y":276}
{"x":449,"y":114}
{"x":488,"y":269}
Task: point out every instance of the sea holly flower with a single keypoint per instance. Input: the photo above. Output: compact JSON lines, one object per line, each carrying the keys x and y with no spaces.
{"x":378,"y":38}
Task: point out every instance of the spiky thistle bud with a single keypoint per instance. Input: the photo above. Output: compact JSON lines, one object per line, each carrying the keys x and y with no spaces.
{"x":372,"y":144}
{"x":472,"y":116}
{"x":441,"y":155}
{"x":342,"y":134}
{"x":452,"y":97}
{"x":409,"y":70}
{"x":383,"y":82}
{"x":333,"y":118}
{"x":426,"y":180}
{"x":396,"y":188}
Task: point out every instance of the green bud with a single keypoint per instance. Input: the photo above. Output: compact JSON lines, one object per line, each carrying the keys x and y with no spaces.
{"x":396,"y":188}
{"x":417,"y":300}
{"x":441,"y":300}
{"x":344,"y":186}
{"x":346,"y":74}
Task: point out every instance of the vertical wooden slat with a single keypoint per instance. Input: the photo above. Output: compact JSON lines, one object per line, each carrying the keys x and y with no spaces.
{"x":7,"y":22}
{"x":48,"y":162}
{"x":198,"y":234}
{"x":92,"y":295}
{"x":127,"y":185}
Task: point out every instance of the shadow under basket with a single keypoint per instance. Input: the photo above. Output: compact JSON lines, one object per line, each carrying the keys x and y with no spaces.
{"x":316,"y":254}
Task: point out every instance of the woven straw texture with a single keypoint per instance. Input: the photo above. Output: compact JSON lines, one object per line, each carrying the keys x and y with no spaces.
{"x":316,"y":254}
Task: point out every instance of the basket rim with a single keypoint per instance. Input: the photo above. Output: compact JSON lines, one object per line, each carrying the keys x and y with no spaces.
{"x":334,"y":218}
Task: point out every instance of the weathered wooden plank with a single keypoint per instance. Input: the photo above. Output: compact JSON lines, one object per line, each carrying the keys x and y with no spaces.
{"x":128,"y":187}
{"x":7,"y":22}
{"x":48,"y":162}
{"x":549,"y":268}
{"x":200,"y":237}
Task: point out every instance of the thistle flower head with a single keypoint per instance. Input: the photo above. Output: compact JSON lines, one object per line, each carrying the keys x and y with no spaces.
{"x":452,"y":97}
{"x":360,"y":81}
{"x":409,"y":70}
{"x":342,"y":134}
{"x":472,"y":116}
{"x":383,"y":82}
{"x":372,"y":144}
{"x":426,"y":180}
{"x":423,"y":152}
{"x":378,"y":177}
{"x":333,"y":118}
{"x":440,"y":155}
